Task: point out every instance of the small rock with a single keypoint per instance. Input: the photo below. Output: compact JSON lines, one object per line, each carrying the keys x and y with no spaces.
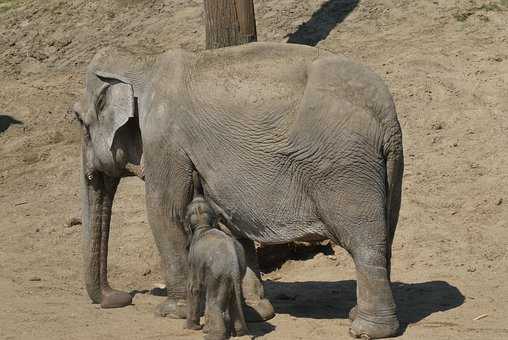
{"x":471,"y":269}
{"x":35,"y":278}
{"x":147,"y":272}
{"x":332,"y":257}
{"x":437,"y":126}
{"x":499,"y":201}
{"x":72,"y":222}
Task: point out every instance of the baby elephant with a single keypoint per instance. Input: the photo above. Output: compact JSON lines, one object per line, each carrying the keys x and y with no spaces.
{"x":216,"y":268}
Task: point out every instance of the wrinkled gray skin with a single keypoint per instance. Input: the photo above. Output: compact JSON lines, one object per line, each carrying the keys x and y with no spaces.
{"x":216,"y":268}
{"x":291,"y":142}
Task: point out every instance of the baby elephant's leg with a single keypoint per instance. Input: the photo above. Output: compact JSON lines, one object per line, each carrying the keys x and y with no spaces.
{"x":238,"y":324}
{"x":193,"y":302}
{"x":217,"y":299}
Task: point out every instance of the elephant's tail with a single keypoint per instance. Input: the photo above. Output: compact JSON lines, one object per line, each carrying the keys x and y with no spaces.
{"x":394,"y":171}
{"x":394,"y":157}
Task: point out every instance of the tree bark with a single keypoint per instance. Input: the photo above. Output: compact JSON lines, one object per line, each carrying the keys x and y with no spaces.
{"x":229,"y":22}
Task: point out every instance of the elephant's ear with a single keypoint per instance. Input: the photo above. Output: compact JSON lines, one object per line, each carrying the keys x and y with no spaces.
{"x":118,"y":107}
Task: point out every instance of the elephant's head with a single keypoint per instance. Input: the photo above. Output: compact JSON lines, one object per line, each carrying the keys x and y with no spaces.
{"x":111,"y":144}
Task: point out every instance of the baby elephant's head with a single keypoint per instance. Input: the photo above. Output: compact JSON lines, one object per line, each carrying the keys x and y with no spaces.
{"x":199,"y":214}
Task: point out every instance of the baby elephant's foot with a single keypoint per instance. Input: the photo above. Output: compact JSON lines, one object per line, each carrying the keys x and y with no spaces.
{"x":365,"y":329}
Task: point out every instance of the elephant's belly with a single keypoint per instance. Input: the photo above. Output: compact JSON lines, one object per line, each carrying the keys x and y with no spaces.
{"x":267,"y":214}
{"x":303,"y":231}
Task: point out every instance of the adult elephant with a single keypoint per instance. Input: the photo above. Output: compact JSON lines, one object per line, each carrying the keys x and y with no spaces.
{"x":291,"y":143}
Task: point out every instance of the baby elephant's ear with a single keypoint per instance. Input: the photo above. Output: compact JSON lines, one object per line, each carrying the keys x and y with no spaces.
{"x":222,"y":227}
{"x":117,"y":106}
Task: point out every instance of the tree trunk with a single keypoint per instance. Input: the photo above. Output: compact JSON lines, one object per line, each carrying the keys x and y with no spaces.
{"x":229,"y":22}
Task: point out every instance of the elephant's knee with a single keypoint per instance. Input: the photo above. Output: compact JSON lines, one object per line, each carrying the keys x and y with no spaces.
{"x":370,"y":256}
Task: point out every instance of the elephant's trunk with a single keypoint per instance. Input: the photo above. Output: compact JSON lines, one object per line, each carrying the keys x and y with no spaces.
{"x":92,"y":198}
{"x":97,"y":194}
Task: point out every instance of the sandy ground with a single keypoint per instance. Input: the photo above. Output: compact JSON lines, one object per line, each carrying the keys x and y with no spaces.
{"x":446,"y":62}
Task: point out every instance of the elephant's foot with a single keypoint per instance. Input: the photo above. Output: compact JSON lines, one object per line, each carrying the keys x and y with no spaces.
{"x":384,"y":327}
{"x":112,"y":298}
{"x":258,"y":310}
{"x":172,"y":308}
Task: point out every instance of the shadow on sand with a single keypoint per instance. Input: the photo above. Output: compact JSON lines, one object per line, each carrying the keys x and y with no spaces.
{"x":322,"y":22}
{"x":6,"y":122}
{"x":332,"y":300}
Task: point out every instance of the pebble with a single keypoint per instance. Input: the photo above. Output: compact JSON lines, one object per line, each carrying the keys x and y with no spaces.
{"x":35,"y":278}
{"x":72,"y":221}
{"x":437,"y":126}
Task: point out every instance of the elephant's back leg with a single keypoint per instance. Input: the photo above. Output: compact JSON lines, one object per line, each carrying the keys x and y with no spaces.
{"x":353,"y":210}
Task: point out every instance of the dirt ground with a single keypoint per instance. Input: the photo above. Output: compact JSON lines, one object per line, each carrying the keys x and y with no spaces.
{"x":446,"y":62}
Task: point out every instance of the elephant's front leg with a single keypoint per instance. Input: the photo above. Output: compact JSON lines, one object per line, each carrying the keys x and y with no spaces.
{"x":259,"y":308}
{"x":168,"y":191}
